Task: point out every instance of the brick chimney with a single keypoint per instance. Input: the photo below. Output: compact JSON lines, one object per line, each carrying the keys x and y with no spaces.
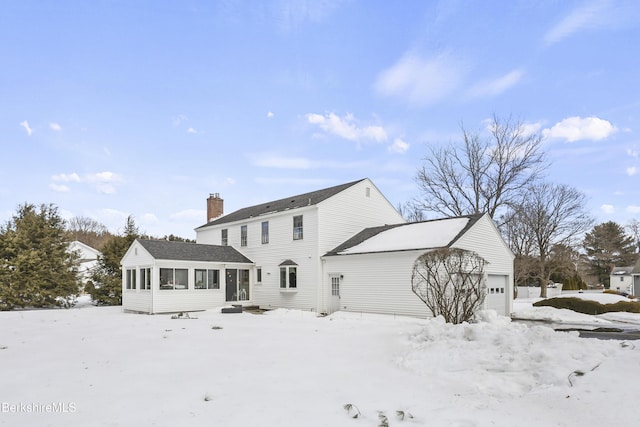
{"x":214,"y":206}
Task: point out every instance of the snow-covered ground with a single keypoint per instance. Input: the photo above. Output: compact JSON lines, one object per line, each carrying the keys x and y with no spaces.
{"x":98,"y":366}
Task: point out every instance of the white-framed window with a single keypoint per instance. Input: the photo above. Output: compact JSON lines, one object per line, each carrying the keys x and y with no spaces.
{"x":206,"y":279}
{"x":174,"y":278}
{"x":224,"y":237}
{"x":258,"y":274}
{"x":130,"y":278}
{"x":289,"y":277}
{"x":297,"y":227}
{"x":145,"y":279}
{"x":243,"y":235}
{"x":265,"y":232}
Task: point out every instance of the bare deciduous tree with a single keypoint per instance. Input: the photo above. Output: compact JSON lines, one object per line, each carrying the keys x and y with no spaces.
{"x":482,"y":175}
{"x":451,"y":282}
{"x":549,"y":215}
{"x":88,"y":231}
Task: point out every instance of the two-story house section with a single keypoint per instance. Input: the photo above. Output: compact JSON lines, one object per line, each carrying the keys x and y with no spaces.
{"x":285,"y":239}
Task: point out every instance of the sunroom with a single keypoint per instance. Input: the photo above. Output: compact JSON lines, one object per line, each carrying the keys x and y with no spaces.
{"x":160,"y":276}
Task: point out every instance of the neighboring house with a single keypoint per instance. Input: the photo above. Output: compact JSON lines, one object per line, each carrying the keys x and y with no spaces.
{"x":371,"y":272}
{"x":622,"y":279}
{"x":88,"y":258}
{"x":292,"y":257}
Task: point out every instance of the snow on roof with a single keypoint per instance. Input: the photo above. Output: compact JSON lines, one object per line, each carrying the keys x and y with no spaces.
{"x":417,"y":235}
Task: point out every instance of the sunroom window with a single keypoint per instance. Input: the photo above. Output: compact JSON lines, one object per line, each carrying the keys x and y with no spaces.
{"x":207,"y":279}
{"x":174,"y":278}
{"x":145,"y":278}
{"x":130,"y":278}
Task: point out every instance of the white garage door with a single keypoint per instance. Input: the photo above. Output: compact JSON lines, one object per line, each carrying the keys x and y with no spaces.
{"x":497,"y":293}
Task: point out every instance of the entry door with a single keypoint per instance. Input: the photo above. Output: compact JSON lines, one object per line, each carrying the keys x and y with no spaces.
{"x":335,"y":293}
{"x":232,"y":284}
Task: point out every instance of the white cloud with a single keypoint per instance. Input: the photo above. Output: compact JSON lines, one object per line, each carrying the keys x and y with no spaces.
{"x":420,"y":81}
{"x":347,"y":127}
{"x":63,"y":177}
{"x":497,"y":86}
{"x":578,"y":128}
{"x":104,"y":182}
{"x":229,"y":181}
{"x":633,"y":152}
{"x":177,"y":120}
{"x":398,"y":146}
{"x":270,"y":114}
{"x":529,"y":129}
{"x":586,"y":17}
{"x":633,"y":209}
{"x":192,"y":131}
{"x":25,"y":125}
{"x":149,"y":218}
{"x":608,"y":209}
{"x":55,"y":126}
{"x":59,"y":188}
{"x":632,"y":170}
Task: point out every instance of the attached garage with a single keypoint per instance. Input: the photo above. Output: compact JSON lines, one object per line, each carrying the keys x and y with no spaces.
{"x":372,"y":270}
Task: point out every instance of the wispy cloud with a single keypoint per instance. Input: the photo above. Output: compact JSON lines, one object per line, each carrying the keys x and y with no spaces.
{"x":192,"y":131}
{"x":104,"y":182}
{"x":496,"y":86}
{"x":270,"y":114}
{"x":398,"y":146}
{"x":179,"y":119}
{"x":25,"y":125}
{"x":59,"y":188}
{"x":633,"y":209}
{"x":293,"y":14}
{"x":55,"y":126}
{"x":347,"y":127}
{"x":419,"y":80}
{"x":632,"y":170}
{"x":593,"y":15}
{"x":578,"y":128}
{"x":608,"y":209}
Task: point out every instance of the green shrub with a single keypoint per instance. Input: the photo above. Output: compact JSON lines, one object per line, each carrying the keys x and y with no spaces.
{"x":589,"y":307}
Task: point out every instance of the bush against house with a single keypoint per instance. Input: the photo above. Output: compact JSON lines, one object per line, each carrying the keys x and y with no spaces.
{"x":36,"y":269}
{"x":451,"y":282}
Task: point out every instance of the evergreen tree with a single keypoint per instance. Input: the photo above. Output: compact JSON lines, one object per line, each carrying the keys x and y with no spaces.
{"x":608,"y":246}
{"x":36,"y":270}
{"x":106,"y":281}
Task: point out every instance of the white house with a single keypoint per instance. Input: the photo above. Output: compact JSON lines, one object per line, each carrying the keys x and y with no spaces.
{"x":293,"y":256}
{"x":622,"y":279}
{"x":88,"y":258}
{"x":371,"y":272}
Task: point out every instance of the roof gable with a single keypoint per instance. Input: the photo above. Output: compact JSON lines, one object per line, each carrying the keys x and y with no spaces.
{"x":430,"y":234}
{"x":182,"y":251}
{"x":292,"y":202}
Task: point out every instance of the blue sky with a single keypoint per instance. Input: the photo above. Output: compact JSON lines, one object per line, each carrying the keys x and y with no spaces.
{"x":111,"y":108}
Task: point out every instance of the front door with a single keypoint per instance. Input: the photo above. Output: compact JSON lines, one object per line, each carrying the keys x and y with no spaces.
{"x":232,"y":284}
{"x":334,"y":304}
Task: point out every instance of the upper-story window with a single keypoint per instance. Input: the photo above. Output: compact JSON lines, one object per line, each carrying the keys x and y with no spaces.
{"x":224,"y":241}
{"x":265,"y":232}
{"x":297,"y":227}
{"x":243,"y":235}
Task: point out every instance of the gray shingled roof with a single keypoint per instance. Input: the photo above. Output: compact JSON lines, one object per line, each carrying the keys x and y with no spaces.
{"x":368,"y":233}
{"x":163,"y":249}
{"x":293,"y":202}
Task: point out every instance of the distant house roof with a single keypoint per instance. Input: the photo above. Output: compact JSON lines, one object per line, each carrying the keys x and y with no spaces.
{"x":439,"y":233}
{"x":163,"y":249}
{"x":622,"y":271}
{"x":293,"y":202}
